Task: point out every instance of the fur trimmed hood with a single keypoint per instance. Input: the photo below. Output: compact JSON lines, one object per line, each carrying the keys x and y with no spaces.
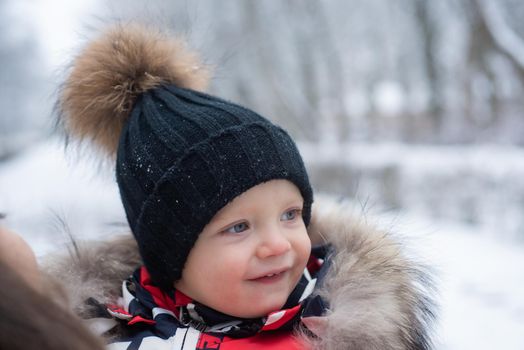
{"x":378,"y":297}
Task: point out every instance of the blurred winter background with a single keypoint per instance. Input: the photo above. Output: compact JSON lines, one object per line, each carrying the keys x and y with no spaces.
{"x":412,"y":108}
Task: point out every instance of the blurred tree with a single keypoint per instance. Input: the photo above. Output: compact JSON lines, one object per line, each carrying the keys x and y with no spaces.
{"x":493,"y":50}
{"x":20,"y":80}
{"x":428,"y":30}
{"x":480,"y":48}
{"x":454,"y":64}
{"x":502,"y":37}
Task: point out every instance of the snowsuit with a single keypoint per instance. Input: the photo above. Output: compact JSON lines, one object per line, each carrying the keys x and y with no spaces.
{"x":372,"y":296}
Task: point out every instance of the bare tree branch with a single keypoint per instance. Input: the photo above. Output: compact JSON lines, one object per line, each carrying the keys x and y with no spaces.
{"x":504,"y":38}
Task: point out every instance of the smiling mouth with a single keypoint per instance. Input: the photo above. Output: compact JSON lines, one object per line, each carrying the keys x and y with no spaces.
{"x":270,"y":277}
{"x":272,"y":274}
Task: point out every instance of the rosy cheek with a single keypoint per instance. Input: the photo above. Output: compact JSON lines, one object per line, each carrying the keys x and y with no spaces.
{"x":229,"y":270}
{"x":304,"y":245}
{"x":304,"y":256}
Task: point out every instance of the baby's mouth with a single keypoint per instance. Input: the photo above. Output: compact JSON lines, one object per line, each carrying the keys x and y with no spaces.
{"x":270,"y":277}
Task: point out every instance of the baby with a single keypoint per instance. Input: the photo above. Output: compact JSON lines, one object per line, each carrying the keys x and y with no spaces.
{"x":219,"y":203}
{"x":217,"y":197}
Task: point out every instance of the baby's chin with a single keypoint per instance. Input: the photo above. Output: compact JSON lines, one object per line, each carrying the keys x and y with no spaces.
{"x":259,"y":307}
{"x":259,"y":299}
{"x":267,"y":302}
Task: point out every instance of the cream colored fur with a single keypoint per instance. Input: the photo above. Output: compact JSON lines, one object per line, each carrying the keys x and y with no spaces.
{"x":378,"y":299}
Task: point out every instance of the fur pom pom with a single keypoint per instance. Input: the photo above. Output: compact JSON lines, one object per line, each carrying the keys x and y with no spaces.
{"x":108,"y":75}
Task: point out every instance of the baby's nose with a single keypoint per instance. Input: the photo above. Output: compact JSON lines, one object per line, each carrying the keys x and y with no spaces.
{"x":273,"y":243}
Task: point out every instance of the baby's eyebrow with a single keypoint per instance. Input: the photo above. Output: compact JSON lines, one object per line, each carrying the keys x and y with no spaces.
{"x":224,"y":219}
{"x":299,"y":202}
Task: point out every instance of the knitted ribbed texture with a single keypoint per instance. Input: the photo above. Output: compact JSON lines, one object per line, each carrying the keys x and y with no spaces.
{"x":183,"y":155}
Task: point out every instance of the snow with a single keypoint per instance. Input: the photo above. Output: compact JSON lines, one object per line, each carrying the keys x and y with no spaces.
{"x":479,"y":184}
{"x":480,"y":281}
{"x":389,"y":98}
{"x":43,"y":187}
{"x":479,"y":276}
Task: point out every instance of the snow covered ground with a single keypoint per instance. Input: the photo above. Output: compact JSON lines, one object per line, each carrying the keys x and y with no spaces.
{"x":481,"y":278}
{"x":480,"y":281}
{"x":45,"y":188}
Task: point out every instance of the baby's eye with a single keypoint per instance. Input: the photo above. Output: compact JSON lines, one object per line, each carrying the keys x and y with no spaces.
{"x":290,"y":215}
{"x":237,"y":228}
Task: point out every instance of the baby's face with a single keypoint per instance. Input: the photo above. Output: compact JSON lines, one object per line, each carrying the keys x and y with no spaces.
{"x":250,"y":256}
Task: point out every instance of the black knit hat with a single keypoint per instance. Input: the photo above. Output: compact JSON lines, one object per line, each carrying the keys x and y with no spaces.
{"x":181,"y":155}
